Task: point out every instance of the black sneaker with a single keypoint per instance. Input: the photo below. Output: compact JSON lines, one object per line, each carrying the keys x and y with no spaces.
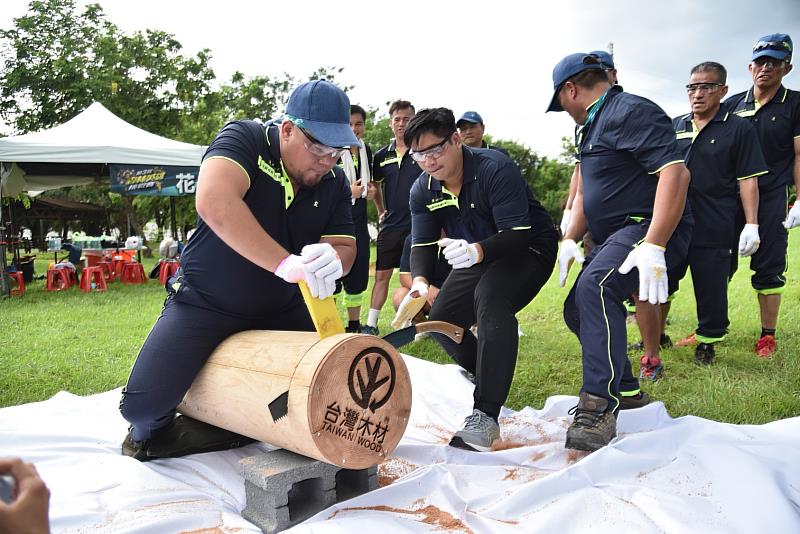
{"x":593,"y":427}
{"x":370,"y":330}
{"x":634,"y":401}
{"x":356,"y":329}
{"x":182,"y":437}
{"x":704,"y":354}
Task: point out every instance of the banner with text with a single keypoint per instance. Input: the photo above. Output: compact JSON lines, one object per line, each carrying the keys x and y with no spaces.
{"x":161,"y":180}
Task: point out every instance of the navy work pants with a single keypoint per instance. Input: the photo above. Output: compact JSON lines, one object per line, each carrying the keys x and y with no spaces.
{"x":490,"y":294}
{"x":595,"y":310}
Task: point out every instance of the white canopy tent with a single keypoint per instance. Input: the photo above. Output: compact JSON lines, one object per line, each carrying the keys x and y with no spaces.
{"x":77,"y":152}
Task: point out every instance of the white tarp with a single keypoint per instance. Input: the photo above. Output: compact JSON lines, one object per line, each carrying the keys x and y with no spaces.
{"x":659,"y":475}
{"x":93,"y":136}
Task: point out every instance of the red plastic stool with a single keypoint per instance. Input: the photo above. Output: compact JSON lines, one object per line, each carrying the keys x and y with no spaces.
{"x":20,"y":289}
{"x":58,"y":279}
{"x":93,"y":275}
{"x":166,"y":269}
{"x":118,"y":261}
{"x":107,"y":268}
{"x":133,"y":273}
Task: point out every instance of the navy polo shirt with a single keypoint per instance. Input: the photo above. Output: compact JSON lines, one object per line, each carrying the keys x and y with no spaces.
{"x":397,"y":175}
{"x":440,"y":272}
{"x":724,"y":151}
{"x":622,"y":151}
{"x":494,"y":197}
{"x":778,"y":125}
{"x":226,"y":280}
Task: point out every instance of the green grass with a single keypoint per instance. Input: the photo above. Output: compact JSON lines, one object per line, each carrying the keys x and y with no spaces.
{"x":87,"y":343}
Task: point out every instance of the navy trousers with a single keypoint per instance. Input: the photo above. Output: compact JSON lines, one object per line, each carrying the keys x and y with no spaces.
{"x":595,"y":311}
{"x":490,"y":294}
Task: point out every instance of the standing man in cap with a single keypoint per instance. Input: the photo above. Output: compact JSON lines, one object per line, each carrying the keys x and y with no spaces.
{"x":272,"y":211}
{"x":724,"y":157}
{"x":394,"y":170}
{"x":632,"y":197}
{"x":775,"y":112}
{"x":501,"y":245}
{"x":471,"y":128}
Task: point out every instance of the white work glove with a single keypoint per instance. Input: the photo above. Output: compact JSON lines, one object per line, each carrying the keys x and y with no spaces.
{"x":411,"y":305}
{"x":318,"y":264}
{"x":793,"y":217}
{"x":749,"y":240}
{"x":565,"y":221}
{"x":459,"y":253}
{"x":293,"y":269}
{"x":649,"y":259}
{"x":569,"y":252}
{"x":323,"y":262}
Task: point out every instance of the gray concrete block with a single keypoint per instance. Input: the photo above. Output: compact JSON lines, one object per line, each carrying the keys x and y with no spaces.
{"x":283,"y":488}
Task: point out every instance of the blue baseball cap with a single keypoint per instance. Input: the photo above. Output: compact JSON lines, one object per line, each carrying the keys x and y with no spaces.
{"x":323,"y":110}
{"x":776,"y":45}
{"x":470,"y":116}
{"x":606,"y":59}
{"x":566,"y":69}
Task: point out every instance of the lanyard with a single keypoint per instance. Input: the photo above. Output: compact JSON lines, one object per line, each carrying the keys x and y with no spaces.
{"x":590,"y":117}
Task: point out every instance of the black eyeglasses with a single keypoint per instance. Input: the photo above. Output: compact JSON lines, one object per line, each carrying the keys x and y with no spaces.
{"x":702,"y":87}
{"x":431,"y":152}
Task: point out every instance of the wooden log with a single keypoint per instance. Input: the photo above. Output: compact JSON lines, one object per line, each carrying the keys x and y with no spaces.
{"x":345,"y":399}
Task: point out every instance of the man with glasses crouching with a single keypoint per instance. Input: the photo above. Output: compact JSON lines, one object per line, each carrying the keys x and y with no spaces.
{"x":775,"y":112}
{"x":501,"y":245}
{"x":272,"y":210}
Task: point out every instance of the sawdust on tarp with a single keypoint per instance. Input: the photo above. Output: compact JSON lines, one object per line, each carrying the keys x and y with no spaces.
{"x":431,"y":515}
{"x":392,"y":469}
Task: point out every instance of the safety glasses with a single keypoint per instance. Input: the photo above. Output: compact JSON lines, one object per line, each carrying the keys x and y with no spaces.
{"x":433,"y":152}
{"x":320,"y":150}
{"x":702,"y":87}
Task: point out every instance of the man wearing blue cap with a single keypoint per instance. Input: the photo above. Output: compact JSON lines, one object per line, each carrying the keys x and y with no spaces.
{"x":631,"y":196}
{"x":272,"y":210}
{"x":471,"y":128}
{"x":775,"y":112}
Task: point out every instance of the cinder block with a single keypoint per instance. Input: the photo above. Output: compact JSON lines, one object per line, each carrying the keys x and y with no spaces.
{"x":283,"y":488}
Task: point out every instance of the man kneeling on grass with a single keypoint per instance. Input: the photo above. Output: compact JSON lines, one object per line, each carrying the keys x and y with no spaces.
{"x":501,"y":244}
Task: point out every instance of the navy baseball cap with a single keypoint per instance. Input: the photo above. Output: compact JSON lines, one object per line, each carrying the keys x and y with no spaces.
{"x":606,"y":59}
{"x":323,"y":110}
{"x":776,"y":45}
{"x":566,"y":69}
{"x":470,"y":116}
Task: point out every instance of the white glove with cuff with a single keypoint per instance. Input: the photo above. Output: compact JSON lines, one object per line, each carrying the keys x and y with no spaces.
{"x":459,"y":253}
{"x":793,"y":217}
{"x":570,"y":251}
{"x":749,"y":240}
{"x":293,"y":269}
{"x":412,"y":303}
{"x":649,"y":259}
{"x":322,"y":261}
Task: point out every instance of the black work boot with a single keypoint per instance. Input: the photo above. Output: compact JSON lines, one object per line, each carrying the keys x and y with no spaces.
{"x":593,"y":427}
{"x":182,"y":437}
{"x":704,"y":354}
